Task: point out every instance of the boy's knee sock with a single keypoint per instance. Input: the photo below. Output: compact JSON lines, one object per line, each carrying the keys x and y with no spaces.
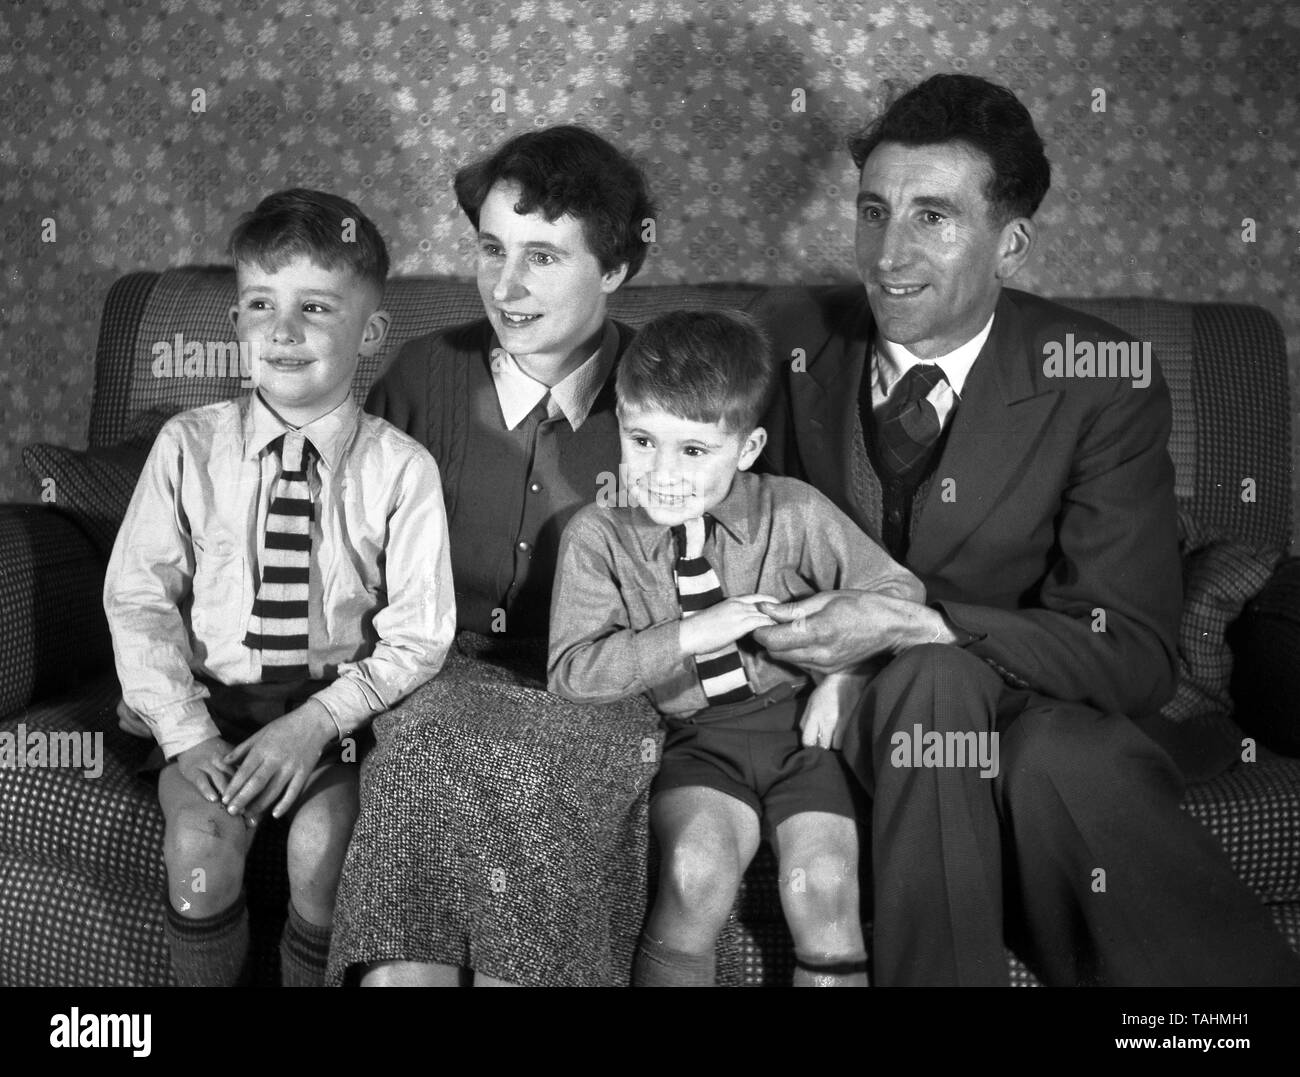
{"x":826,"y":970}
{"x":304,"y":950}
{"x":658,"y":966}
{"x":210,"y":951}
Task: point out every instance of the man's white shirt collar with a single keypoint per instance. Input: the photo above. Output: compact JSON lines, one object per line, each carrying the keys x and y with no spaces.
{"x":894,"y":360}
{"x":518,"y":393}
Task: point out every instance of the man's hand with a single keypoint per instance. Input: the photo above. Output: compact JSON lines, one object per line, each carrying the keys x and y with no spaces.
{"x":276,"y":761}
{"x":203,"y":766}
{"x":728,"y":621}
{"x":834,"y":629}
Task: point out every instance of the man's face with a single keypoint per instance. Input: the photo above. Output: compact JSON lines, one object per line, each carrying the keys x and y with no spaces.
{"x":678,"y":469}
{"x":308,"y":325}
{"x":542,"y":288}
{"x":928,"y":252}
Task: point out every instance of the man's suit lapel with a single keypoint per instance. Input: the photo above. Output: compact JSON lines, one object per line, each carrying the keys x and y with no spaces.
{"x":1003,"y":408}
{"x":825,"y":402}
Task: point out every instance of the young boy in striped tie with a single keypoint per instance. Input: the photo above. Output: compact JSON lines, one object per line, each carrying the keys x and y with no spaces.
{"x":660,"y":596}
{"x":281,"y":576}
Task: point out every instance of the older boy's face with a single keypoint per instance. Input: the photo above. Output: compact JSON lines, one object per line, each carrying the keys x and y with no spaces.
{"x":678,"y":469}
{"x":542,"y":288}
{"x":309,"y":326}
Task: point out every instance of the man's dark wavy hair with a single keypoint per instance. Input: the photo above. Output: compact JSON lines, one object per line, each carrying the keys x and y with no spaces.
{"x":568,"y":169}
{"x":985,"y":116}
{"x":323,"y":227}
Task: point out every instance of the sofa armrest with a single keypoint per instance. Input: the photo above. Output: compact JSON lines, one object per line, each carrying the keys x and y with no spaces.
{"x":1265,"y":641}
{"x":53,"y":633}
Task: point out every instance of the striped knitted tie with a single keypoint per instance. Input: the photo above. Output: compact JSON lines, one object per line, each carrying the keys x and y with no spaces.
{"x":908,"y":425}
{"x":278,"y":628}
{"x":721,"y":673}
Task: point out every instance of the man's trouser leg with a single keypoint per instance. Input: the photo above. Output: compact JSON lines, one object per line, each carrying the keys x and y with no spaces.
{"x":1107,"y":880}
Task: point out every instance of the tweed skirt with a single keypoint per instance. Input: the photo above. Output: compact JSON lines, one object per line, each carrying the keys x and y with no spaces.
{"x":502,"y":828}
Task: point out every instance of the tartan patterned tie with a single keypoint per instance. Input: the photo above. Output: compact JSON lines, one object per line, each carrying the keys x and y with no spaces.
{"x":908,"y":425}
{"x":278,"y":627}
{"x":722,"y":675}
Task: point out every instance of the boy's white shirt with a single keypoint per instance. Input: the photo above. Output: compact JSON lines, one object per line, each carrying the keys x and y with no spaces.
{"x":193,"y":538}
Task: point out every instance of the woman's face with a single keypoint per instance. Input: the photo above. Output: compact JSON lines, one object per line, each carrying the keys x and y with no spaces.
{"x":542,"y":288}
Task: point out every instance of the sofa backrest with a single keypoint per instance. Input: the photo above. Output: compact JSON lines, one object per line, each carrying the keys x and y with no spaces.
{"x":1225,"y":364}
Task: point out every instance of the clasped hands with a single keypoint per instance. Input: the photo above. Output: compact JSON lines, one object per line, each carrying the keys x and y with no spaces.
{"x":270,"y":767}
{"x":826,"y":634}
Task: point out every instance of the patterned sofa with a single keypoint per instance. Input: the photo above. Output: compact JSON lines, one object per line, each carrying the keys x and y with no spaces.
{"x":81,"y":873}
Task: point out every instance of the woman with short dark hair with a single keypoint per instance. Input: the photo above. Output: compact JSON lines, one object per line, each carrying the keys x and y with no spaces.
{"x":459,"y":858}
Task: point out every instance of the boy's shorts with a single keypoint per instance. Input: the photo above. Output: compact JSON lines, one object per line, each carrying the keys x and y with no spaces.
{"x":753,"y":751}
{"x":240,"y":710}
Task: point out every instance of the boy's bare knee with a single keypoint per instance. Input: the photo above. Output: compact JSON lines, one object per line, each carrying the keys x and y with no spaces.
{"x":702,"y":879}
{"x":204,"y":850}
{"x":318,"y":842}
{"x":822,"y":877}
{"x":318,"y":836}
{"x":820,"y":893}
{"x":205,"y":831}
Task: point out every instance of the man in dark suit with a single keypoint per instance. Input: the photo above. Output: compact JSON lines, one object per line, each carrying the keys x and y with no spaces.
{"x":1013,"y":454}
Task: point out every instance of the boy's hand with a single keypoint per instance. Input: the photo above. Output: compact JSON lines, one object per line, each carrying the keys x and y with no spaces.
{"x":276,"y":761}
{"x":832,"y":704}
{"x":728,"y":621}
{"x":204,"y":767}
{"x":129,"y":721}
{"x":821,"y":721}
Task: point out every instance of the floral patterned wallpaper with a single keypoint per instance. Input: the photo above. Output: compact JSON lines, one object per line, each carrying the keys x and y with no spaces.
{"x":143,"y":128}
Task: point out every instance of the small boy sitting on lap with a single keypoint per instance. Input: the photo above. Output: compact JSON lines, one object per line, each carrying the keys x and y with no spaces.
{"x":282,"y":575}
{"x":661,"y":597}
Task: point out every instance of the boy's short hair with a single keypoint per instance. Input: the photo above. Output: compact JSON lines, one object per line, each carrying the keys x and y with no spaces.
{"x":329,"y":230}
{"x":706,"y":366}
{"x":568,"y":169}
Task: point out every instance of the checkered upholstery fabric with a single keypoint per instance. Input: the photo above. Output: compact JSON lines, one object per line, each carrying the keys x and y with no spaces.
{"x":82,"y":883}
{"x":114,"y":357}
{"x":1254,"y":811}
{"x":53,"y":634}
{"x":80,"y":864}
{"x":1218,"y":579}
{"x":94,"y":487}
{"x":1169,"y":328}
{"x":1242,"y":404}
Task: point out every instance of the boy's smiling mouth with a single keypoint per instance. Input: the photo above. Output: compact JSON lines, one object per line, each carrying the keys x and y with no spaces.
{"x":287,"y":362}
{"x":673,"y":500}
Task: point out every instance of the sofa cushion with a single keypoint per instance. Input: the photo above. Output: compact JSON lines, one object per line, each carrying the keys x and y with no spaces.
{"x":93,"y":487}
{"x":82,"y":880}
{"x":1218,"y":579}
{"x":53,"y":633}
{"x":62,"y":927}
{"x":1254,"y":811}
{"x":107,"y":823}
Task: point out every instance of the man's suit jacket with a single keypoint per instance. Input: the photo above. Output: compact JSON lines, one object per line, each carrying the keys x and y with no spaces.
{"x":1055,"y":542}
